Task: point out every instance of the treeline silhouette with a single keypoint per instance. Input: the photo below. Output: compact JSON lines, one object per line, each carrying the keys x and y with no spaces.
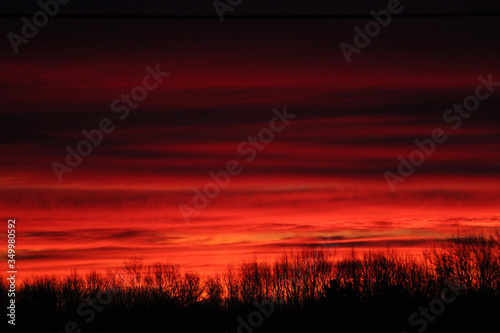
{"x":306,"y":290}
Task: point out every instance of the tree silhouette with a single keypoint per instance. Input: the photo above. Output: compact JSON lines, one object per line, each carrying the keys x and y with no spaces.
{"x":307,"y":283}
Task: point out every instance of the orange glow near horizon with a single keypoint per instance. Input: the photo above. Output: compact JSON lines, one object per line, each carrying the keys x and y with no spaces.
{"x":101,"y":228}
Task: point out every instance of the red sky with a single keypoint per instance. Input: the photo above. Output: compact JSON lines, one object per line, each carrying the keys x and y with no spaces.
{"x":321,"y":179}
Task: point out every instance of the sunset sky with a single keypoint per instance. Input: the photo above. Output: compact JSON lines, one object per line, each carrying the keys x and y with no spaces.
{"x":320,"y":181}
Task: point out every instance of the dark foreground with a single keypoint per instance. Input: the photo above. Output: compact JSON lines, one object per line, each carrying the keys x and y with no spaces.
{"x":455,"y":288}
